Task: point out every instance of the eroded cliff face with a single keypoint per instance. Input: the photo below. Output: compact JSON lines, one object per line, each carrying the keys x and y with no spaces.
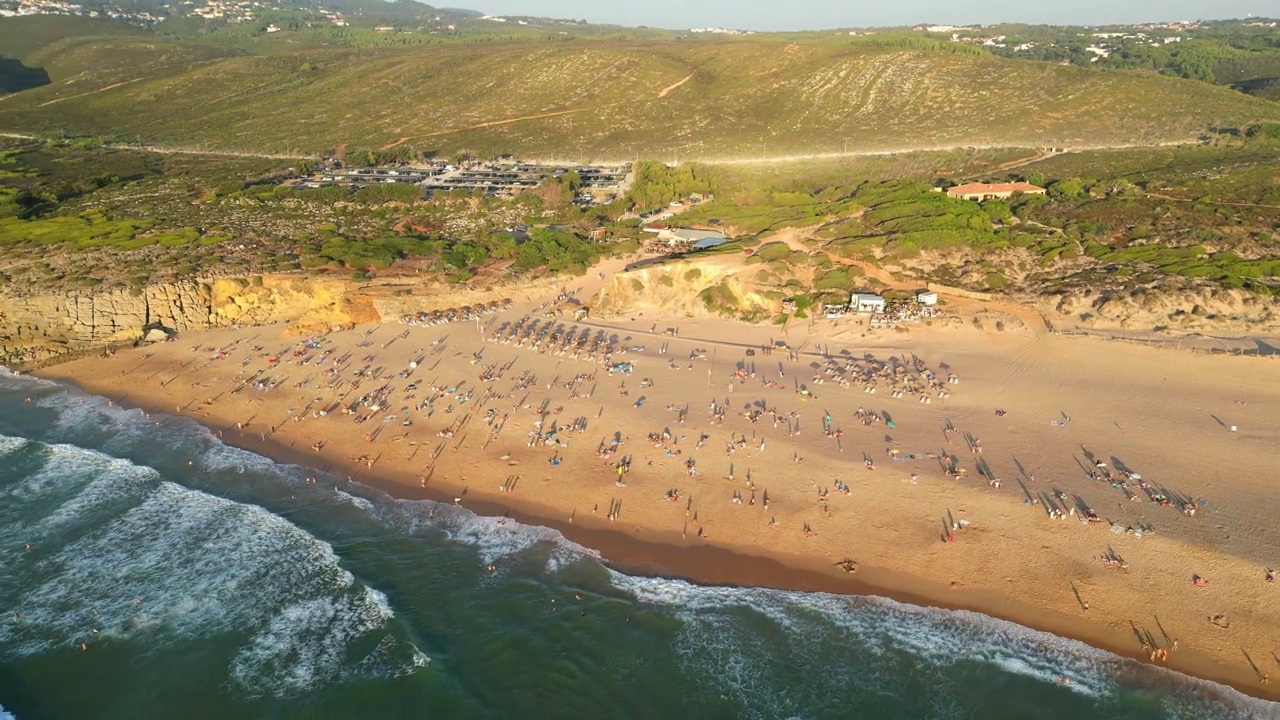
{"x":1179,"y":307}
{"x":37,"y":327}
{"x":686,"y":289}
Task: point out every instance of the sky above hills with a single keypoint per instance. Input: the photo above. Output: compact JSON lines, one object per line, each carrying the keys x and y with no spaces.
{"x":821,"y":14}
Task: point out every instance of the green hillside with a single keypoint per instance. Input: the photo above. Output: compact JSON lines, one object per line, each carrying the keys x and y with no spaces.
{"x":1257,"y":74}
{"x":21,"y":36}
{"x":695,"y":100}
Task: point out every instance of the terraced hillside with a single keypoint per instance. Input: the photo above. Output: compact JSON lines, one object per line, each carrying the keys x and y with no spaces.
{"x":694,"y":100}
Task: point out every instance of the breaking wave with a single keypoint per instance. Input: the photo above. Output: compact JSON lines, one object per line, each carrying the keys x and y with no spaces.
{"x":118,"y":553}
{"x":108,"y":532}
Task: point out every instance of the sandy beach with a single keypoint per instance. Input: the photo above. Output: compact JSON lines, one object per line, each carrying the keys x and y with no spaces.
{"x":1104,"y":491}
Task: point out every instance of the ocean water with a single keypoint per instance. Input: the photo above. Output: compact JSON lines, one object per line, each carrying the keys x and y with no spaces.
{"x":229,"y":587}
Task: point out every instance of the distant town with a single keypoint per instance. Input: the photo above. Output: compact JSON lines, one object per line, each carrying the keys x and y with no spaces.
{"x":1108,"y":39}
{"x":504,"y":177}
{"x":1153,"y":34}
{"x":16,"y":8}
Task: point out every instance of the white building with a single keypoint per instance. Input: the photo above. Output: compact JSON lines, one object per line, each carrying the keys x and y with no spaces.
{"x":683,"y":237}
{"x":866,"y":303}
{"x":927,"y":297}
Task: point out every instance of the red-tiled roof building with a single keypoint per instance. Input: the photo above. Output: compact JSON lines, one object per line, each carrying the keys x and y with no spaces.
{"x":987,"y":191}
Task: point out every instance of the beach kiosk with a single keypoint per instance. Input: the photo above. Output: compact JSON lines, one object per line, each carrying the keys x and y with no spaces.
{"x":866,"y":303}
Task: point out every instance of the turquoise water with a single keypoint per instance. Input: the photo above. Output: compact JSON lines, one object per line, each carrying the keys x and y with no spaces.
{"x":231,"y":588}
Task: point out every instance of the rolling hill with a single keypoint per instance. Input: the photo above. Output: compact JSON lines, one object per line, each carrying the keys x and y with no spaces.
{"x":21,"y":36}
{"x":711,"y":99}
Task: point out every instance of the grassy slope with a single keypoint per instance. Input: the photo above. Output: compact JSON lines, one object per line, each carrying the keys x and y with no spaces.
{"x":745,"y":99}
{"x":21,"y":36}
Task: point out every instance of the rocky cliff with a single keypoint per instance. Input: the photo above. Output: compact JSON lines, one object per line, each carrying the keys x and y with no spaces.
{"x":36,"y":328}
{"x":1175,"y":307}
{"x":688,"y":289}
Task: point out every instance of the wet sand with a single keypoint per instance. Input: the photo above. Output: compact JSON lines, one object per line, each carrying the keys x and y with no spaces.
{"x":942,"y":541}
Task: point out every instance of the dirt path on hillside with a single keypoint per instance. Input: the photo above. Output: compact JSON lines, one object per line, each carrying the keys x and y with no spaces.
{"x":392,"y":146}
{"x":1040,"y":156}
{"x":934,"y":148}
{"x":91,"y":92}
{"x":493,"y":123}
{"x":180,"y":151}
{"x":878,"y":273}
{"x":671,"y":88}
{"x":1027,"y":161}
{"x":1033,"y":319}
{"x":508,"y":121}
{"x":794,"y":237}
{"x":1215,"y":202}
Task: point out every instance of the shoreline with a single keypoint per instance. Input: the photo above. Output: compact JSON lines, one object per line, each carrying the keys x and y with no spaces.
{"x":663,"y":554}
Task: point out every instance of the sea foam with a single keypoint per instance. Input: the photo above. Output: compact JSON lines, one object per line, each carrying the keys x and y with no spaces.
{"x":118,"y":549}
{"x":305,"y":610}
{"x":716,"y":641}
{"x":494,"y":539}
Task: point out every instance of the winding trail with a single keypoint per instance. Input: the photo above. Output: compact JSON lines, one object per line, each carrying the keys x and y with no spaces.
{"x":935,"y":148}
{"x":508,"y":121}
{"x":1215,"y":202}
{"x":91,"y":92}
{"x":493,"y":123}
{"x":390,"y":146}
{"x":181,"y":151}
{"x":1045,"y":155}
{"x":671,"y":88}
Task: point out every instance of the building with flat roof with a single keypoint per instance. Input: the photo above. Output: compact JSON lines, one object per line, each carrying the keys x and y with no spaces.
{"x":866,"y":303}
{"x":686,"y":237}
{"x":988,"y":191}
{"x":709,"y":242}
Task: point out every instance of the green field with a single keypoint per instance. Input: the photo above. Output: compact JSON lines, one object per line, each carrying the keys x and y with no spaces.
{"x":588,"y":99}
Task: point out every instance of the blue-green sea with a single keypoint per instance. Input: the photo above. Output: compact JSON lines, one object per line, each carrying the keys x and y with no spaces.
{"x":231,"y":588}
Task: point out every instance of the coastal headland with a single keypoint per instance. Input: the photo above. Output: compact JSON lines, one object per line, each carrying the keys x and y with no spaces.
{"x":1105,"y":491}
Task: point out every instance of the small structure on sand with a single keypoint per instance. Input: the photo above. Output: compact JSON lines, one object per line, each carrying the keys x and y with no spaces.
{"x":867,"y":303}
